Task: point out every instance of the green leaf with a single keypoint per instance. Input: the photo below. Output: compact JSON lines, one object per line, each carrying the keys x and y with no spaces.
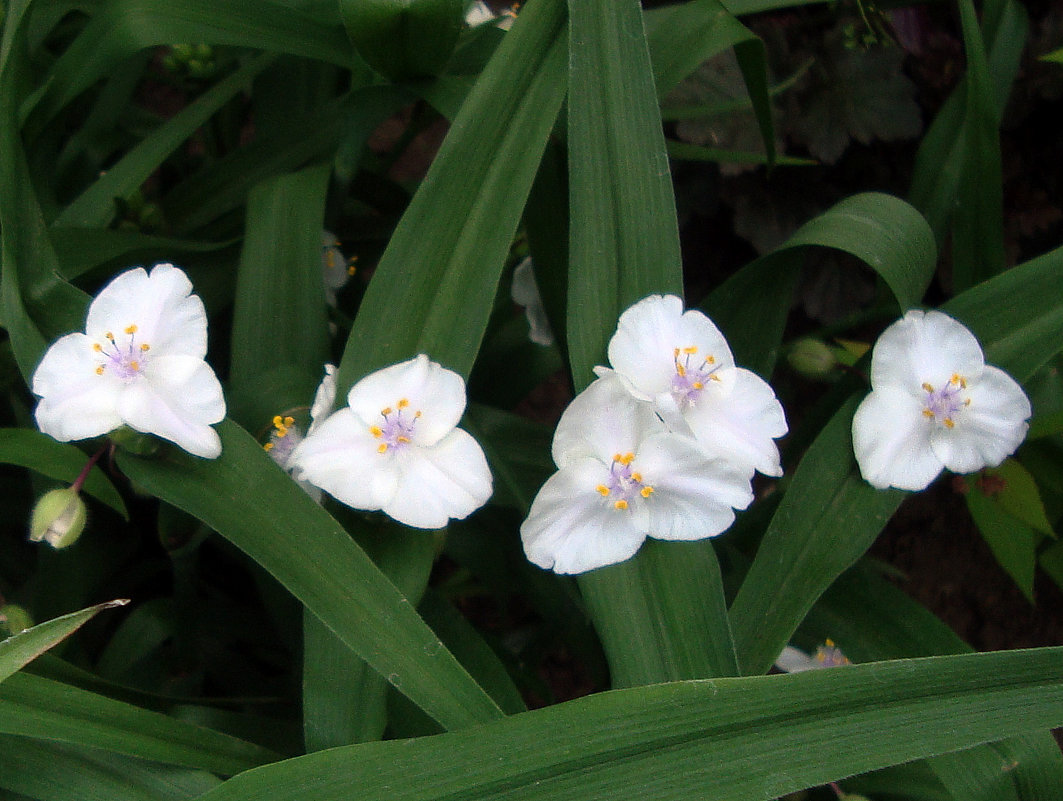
{"x":685,"y":151}
{"x":59,"y":460}
{"x":404,"y":39}
{"x":433,"y":289}
{"x":1011,"y":540}
{"x":22,"y":648}
{"x":48,"y":710}
{"x":1018,"y":495}
{"x":725,"y":739}
{"x":306,"y":550}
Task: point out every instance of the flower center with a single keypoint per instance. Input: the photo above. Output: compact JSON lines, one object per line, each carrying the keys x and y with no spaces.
{"x":691,"y":374}
{"x":283,"y":439}
{"x":943,"y":404}
{"x":122,"y":356}
{"x":624,"y":484}
{"x":398,"y":426}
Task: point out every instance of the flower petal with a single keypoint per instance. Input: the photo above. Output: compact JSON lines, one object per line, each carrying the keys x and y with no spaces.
{"x":76,"y":403}
{"x":430,"y":388}
{"x":178,"y":398}
{"x":924,"y":347}
{"x":693,"y":496}
{"x":643,"y":348}
{"x":449,"y":480}
{"x":340,"y":456}
{"x":601,"y":421}
{"x":324,"y":397}
{"x":891,"y":440}
{"x":740,"y":426}
{"x":571,"y":529}
{"x":167,"y":315}
{"x":990,"y":429}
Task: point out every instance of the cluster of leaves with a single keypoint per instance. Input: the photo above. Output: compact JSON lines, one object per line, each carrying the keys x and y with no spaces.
{"x":271,"y":644}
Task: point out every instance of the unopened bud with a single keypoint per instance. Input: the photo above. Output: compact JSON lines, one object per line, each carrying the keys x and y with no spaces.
{"x":812,"y":358}
{"x":58,"y":518}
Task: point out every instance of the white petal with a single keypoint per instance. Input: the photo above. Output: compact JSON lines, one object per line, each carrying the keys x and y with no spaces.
{"x":178,"y":398}
{"x":647,"y":334}
{"x":990,"y":429}
{"x":324,"y":397}
{"x":572,"y":529}
{"x":891,"y":440}
{"x":168,"y":317}
{"x":693,"y":496}
{"x":448,"y":480}
{"x":794,"y":660}
{"x":740,"y":426}
{"x":924,"y":347}
{"x":76,"y":403}
{"x":340,"y":456}
{"x":433,"y":390}
{"x":525,"y":292}
{"x":601,"y":421}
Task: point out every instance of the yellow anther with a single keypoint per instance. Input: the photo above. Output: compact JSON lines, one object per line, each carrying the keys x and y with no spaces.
{"x":288,"y":421}
{"x":109,"y":336}
{"x":352,"y":267}
{"x":382,"y":447}
{"x":376,"y":431}
{"x":829,"y":642}
{"x":145,"y":347}
{"x":681,"y":370}
{"x":268,"y":446}
{"x":621,"y":504}
{"x":949,"y":423}
{"x":714,"y":377}
{"x":927,"y":413}
{"x":602,"y":490}
{"x":135,"y":366}
{"x":627,"y":458}
{"x":646,"y":492}
{"x":99,"y":370}
{"x":130,"y":329}
{"x":281,"y":432}
{"x":278,"y":421}
{"x":403,"y":403}
{"x":710,"y":360}
{"x":330,"y":259}
{"x":403,"y":439}
{"x":386,"y":411}
{"x":96,"y":346}
{"x":618,"y":457}
{"x":927,"y":387}
{"x":691,"y":350}
{"x":417,"y":414}
{"x":967,"y":402}
{"x":636,"y":477}
{"x":698,"y":385}
{"x":675,"y":353}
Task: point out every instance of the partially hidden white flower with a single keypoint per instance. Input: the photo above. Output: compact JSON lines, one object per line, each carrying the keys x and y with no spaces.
{"x":140,"y":363}
{"x":934,"y":404}
{"x":623,"y":477}
{"x":396,"y":447}
{"x":337,"y":269}
{"x":525,"y":292}
{"x":681,"y":363}
{"x":794,"y":660}
{"x":479,"y":13}
{"x":286,"y":434}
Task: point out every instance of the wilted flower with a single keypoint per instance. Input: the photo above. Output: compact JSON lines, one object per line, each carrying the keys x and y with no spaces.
{"x":525,"y":292}
{"x":336,"y":267}
{"x":794,"y":660}
{"x":623,"y":477}
{"x":934,"y":404}
{"x":681,"y":363}
{"x":138,"y":364}
{"x":396,"y":447}
{"x":287,"y":435}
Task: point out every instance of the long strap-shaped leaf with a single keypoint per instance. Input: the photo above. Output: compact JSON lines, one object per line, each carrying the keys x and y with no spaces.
{"x":281,"y":528}
{"x":724,"y":739}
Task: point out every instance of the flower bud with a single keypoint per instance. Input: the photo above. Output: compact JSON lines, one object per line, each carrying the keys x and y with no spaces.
{"x":13,"y":619}
{"x":812,"y":358}
{"x":58,"y":518}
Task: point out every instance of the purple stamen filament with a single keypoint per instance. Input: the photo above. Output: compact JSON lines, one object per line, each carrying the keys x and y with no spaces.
{"x":943,"y":404}
{"x":625,"y":484}
{"x":691,"y":373}
{"x":398,"y":427}
{"x":126,"y":363}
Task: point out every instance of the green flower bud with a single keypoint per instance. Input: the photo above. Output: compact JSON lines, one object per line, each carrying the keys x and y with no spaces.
{"x":812,"y":358}
{"x":13,"y":619}
{"x":58,"y":518}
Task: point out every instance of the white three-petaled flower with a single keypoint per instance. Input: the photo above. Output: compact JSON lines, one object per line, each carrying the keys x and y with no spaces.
{"x":622,"y":477}
{"x":934,"y":403}
{"x":681,"y":363}
{"x":396,"y":447}
{"x":139,"y":364}
{"x":286,"y":434}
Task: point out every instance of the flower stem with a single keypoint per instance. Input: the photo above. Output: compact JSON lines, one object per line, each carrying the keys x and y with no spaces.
{"x":79,"y":482}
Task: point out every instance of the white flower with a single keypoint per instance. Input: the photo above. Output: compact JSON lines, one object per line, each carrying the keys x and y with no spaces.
{"x":480,"y":13}
{"x":622,"y":477}
{"x":139,"y":364}
{"x":934,"y":403}
{"x":794,"y":660}
{"x":335,"y":266}
{"x":396,"y":447}
{"x":287,"y":435}
{"x":525,"y":292}
{"x":681,"y":362}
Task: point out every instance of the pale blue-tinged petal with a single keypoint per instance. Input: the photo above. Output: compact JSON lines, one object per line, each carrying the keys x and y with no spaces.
{"x":693,"y":496}
{"x":572,"y":529}
{"x":324,"y":397}
{"x":924,"y":347}
{"x":177,"y":398}
{"x":430,"y":388}
{"x":449,"y":480}
{"x":987,"y":431}
{"x":740,"y":426}
{"x":891,"y":440}
{"x":76,"y":402}
{"x":602,"y":421}
{"x":341,"y":457}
